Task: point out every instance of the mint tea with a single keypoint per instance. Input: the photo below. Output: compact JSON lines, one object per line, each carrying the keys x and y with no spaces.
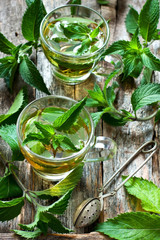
{"x":74,"y":42}
{"x":53,"y":152}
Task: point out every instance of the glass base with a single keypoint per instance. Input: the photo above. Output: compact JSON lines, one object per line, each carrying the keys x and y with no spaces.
{"x":52,"y":177}
{"x":70,"y":80}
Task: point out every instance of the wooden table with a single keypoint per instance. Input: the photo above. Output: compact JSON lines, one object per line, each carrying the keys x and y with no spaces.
{"x":128,"y":137}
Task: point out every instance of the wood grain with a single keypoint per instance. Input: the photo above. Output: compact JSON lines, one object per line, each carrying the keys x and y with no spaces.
{"x":128,"y":138}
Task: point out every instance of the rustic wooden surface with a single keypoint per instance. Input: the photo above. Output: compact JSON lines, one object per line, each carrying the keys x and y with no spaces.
{"x":128,"y":138}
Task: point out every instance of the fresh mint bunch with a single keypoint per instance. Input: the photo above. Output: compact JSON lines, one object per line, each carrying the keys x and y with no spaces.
{"x":136,"y":53}
{"x":104,"y":100}
{"x":18,"y":56}
{"x":136,"y":225}
{"x":13,"y":194}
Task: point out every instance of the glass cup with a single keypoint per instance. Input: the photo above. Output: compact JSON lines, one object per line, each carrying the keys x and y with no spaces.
{"x":67,"y":66}
{"x":56,"y":168}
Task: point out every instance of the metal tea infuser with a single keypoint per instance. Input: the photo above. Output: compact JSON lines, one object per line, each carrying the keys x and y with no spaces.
{"x":90,"y":209}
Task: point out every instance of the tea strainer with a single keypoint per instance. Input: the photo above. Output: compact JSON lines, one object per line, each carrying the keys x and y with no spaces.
{"x":89,"y":210}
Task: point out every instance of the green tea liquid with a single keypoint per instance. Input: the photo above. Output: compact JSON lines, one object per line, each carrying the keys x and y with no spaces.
{"x":78,"y":134}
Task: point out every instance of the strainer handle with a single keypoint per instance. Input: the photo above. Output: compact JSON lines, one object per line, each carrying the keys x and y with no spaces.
{"x":141,"y":149}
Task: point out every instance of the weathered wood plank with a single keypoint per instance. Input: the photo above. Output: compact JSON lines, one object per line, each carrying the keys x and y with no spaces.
{"x":128,"y":138}
{"x":90,"y":236}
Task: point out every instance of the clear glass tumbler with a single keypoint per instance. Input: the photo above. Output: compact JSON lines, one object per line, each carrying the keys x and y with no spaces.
{"x":67,"y":65}
{"x":54,"y":168}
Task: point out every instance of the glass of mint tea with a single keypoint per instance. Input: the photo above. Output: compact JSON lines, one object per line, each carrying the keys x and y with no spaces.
{"x":73,"y":37}
{"x":53,"y":150}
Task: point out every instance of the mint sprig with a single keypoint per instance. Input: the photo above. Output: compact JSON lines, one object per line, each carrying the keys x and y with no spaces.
{"x":145,"y":94}
{"x":18,"y":58}
{"x":135,"y":55}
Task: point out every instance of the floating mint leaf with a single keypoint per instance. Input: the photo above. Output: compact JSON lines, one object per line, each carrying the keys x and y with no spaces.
{"x":63,"y":142}
{"x":31,"y":75}
{"x":8,"y":134}
{"x":148,"y":19}
{"x":76,"y":31}
{"x":65,"y":121}
{"x":145,"y":95}
{"x":46,"y":129}
{"x":146,"y":191}
{"x":9,"y":188}
{"x":131,"y":20}
{"x":35,"y":137}
{"x":84,"y":46}
{"x":133,"y":225}
{"x":10,"y":209}
{"x":5,"y":45}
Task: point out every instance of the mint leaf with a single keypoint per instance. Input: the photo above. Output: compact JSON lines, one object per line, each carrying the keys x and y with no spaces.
{"x":65,"y":121}
{"x":27,"y":234}
{"x":84,"y":46}
{"x":96,"y":116}
{"x":102,"y":2}
{"x":149,"y":60}
{"x":97,"y":94}
{"x":120,"y":47}
{"x":133,"y":225}
{"x":9,"y":188}
{"x":32,"y":19}
{"x":63,"y":142}
{"x":17,"y":104}
{"x":8,"y":68}
{"x":43,"y":212}
{"x":157,"y":117}
{"x":8,"y":134}
{"x":36,"y":137}
{"x":114,"y":119}
{"x":5,"y":45}
{"x":31,"y":75}
{"x":42,"y":8}
{"x":156,"y":35}
{"x":131,"y":20}
{"x":10,"y":209}
{"x":92,"y":103}
{"x":146,"y":191}
{"x":59,"y":206}
{"x":55,"y":224}
{"x":75,"y":31}
{"x":110,"y":94}
{"x":132,"y":65}
{"x":64,"y":185}
{"x":46,"y":129}
{"x":145,"y":95}
{"x":148,"y":19}
{"x":147,"y":75}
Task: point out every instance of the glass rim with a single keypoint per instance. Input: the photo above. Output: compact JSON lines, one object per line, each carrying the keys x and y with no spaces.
{"x":74,"y":155}
{"x":67,"y":55}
